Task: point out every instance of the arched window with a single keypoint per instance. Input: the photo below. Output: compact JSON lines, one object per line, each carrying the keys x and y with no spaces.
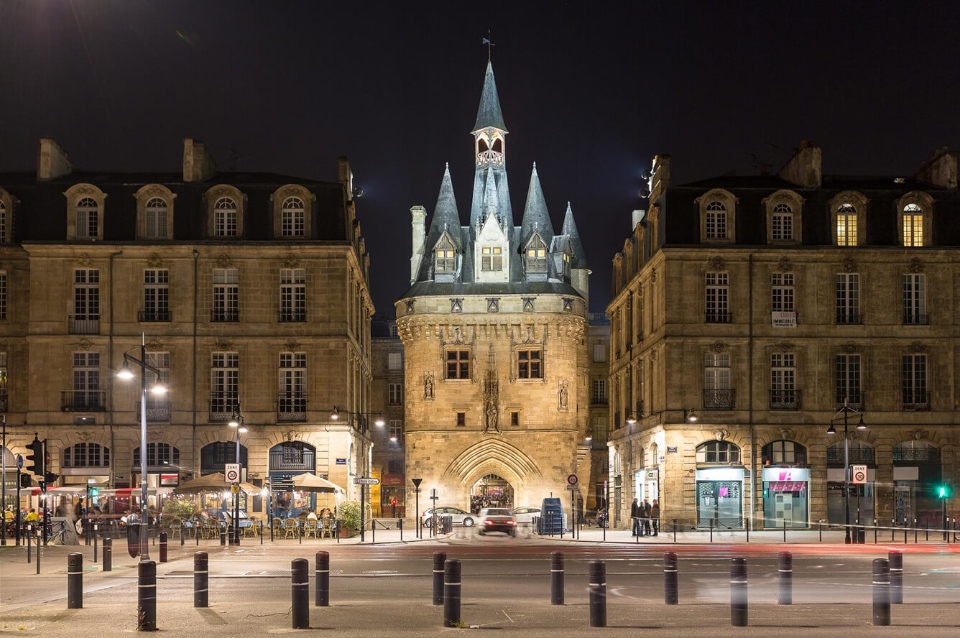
{"x":225,"y":217}
{"x":4,"y":224}
{"x":846,"y":225}
{"x":716,"y":452}
{"x":214,"y":456}
{"x":912,"y":225}
{"x":86,"y":455}
{"x":858,"y":453}
{"x":293,"y":456}
{"x":784,"y":452}
{"x":88,"y":218}
{"x":716,"y":220}
{"x":292,"y":216}
{"x":158,"y":454}
{"x":155,"y":219}
{"x":782,"y":222}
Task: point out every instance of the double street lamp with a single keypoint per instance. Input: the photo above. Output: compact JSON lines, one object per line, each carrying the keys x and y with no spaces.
{"x":846,"y":411}
{"x":158,"y":388}
{"x":236,"y":421}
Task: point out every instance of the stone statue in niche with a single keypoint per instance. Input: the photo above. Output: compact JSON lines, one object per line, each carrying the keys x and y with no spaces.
{"x":428,"y":386}
{"x":562,"y":392}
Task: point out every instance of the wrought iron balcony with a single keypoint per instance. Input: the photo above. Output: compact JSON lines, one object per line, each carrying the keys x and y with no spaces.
{"x":713,"y":316}
{"x":158,"y":410}
{"x":858,"y":454}
{"x":292,"y":316}
{"x":148,"y":316}
{"x":854,"y":399}
{"x":83,"y":401}
{"x":915,"y":401}
{"x":292,"y":406}
{"x":228,"y":315}
{"x":785,"y":399}
{"x":222,"y":407}
{"x":718,"y":399}
{"x":84,"y":324}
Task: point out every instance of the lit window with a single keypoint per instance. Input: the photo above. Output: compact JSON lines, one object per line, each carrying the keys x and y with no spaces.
{"x":491,"y":258}
{"x":846,"y":225}
{"x":912,"y":225}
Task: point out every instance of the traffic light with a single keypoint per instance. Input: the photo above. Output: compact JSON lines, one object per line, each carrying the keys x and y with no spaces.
{"x":94,"y":491}
{"x":36,"y":458}
{"x":50,"y":478}
{"x":944,"y":491}
{"x":25,"y":480}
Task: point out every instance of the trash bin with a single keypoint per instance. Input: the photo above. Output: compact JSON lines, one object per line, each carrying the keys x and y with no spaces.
{"x":536,"y":525}
{"x":861,"y":534}
{"x":446,"y":524}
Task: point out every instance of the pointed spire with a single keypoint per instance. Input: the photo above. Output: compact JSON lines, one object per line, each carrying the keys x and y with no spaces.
{"x":536,"y":218}
{"x":489,"y":115}
{"x":445,"y":215}
{"x":570,"y":230}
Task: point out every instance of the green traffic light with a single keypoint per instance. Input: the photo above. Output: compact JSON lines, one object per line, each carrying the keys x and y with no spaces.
{"x":943,"y":491}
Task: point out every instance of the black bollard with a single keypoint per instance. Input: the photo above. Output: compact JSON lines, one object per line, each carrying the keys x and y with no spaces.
{"x":598,"y":593}
{"x":671,"y":593}
{"x":881,"y":592}
{"x":738,"y":592}
{"x":785,"y":571}
{"x":556,"y":578}
{"x":223,"y":535}
{"x":182,"y":530}
{"x":29,"y":534}
{"x":163,"y":547}
{"x":895,"y":560}
{"x":438,"y":560}
{"x":147,"y":596}
{"x":323,"y":580}
{"x":451,"y":593}
{"x":75,"y":581}
{"x":201,"y":580}
{"x":107,"y":554}
{"x":39,"y":535}
{"x":300,"y":589}
{"x":400,"y":527}
{"x":95,"y":533}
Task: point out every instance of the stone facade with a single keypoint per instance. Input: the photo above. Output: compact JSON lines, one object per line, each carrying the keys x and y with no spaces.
{"x":749,"y":314}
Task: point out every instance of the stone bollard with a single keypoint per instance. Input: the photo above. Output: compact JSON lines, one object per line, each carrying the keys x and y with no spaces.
{"x":147,"y":596}
{"x":439,"y":558}
{"x":323,"y":580}
{"x":107,"y":554}
{"x":738,"y":592}
{"x":451,"y":593}
{"x":785,"y":573}
{"x":201,"y":579}
{"x":300,"y":591}
{"x":598,"y":593}
{"x":881,"y":592}
{"x":556,"y":578}
{"x":671,"y":591}
{"x":75,"y":581}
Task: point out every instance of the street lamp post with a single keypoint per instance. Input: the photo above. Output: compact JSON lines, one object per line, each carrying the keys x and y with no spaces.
{"x":126,"y":373}
{"x":845,"y":411}
{"x":363,"y":417}
{"x":236,"y":421}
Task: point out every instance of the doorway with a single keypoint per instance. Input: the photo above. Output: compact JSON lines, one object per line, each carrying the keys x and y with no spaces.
{"x":491,"y":491}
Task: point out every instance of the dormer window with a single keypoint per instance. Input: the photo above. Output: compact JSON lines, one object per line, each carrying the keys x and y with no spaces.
{"x":846,"y":225}
{"x":716,"y":220}
{"x":718,"y":216}
{"x":566,"y":265}
{"x":536,"y":257}
{"x":292,"y":223}
{"x":848,"y":218}
{"x":85,"y":211}
{"x":225,"y":217}
{"x":155,"y":219}
{"x":88,"y":218}
{"x":491,"y":258}
{"x":446,"y":257}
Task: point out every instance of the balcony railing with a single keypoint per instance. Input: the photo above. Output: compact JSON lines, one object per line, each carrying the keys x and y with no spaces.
{"x":718,"y":399}
{"x":224,"y":315}
{"x":785,"y":399}
{"x":858,"y":454}
{"x":147,"y":316}
{"x":84,"y":324}
{"x":83,"y":401}
{"x":292,"y":406}
{"x":158,"y":410}
{"x":911,"y":319}
{"x":915,"y":401}
{"x":292,"y":316}
{"x":854,"y":399}
{"x":222,"y":407}
{"x":713,"y":316}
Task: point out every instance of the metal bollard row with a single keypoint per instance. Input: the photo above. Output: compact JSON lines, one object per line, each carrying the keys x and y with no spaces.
{"x":75,"y":581}
{"x":201,"y":579}
{"x":439,"y":558}
{"x":323,"y":580}
{"x":556,"y":578}
{"x":738,"y":592}
{"x":451,"y":593}
{"x":598,"y":593}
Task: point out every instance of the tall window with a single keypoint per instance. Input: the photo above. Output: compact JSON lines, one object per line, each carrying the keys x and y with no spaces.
{"x":155,"y":219}
{"x":292,"y":218}
{"x":3,"y":294}
{"x":914,"y":380}
{"x":783,"y":381}
{"x":846,"y":225}
{"x":86,"y":455}
{"x":599,"y":391}
{"x":848,"y":298}
{"x":224,"y":384}
{"x":781,"y":289}
{"x":782,"y":222}
{"x":293,"y":294}
{"x":491,"y":258}
{"x":86,"y":381}
{"x":395,"y":393}
{"x":158,"y":406}
{"x":529,"y":363}
{"x":88,"y":218}
{"x":912,"y":225}
{"x":225,"y":217}
{"x":915,"y":299}
{"x":717,"y":393}
{"x":395,"y":361}
{"x":396,"y":431}
{"x":4,"y":224}
{"x":536,"y":256}
{"x":156,"y":295}
{"x":718,"y":297}
{"x":293,"y":384}
{"x":599,"y":352}
{"x":458,"y":364}
{"x":716,"y":223}
{"x":86,"y":301}
{"x":226,"y":295}
{"x":3,"y":382}
{"x":848,"y":380}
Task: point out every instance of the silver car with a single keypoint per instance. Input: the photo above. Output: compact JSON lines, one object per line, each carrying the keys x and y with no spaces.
{"x":525,"y":514}
{"x":459,"y":516}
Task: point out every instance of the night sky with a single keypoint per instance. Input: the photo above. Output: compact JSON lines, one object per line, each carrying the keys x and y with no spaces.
{"x":589,"y":90}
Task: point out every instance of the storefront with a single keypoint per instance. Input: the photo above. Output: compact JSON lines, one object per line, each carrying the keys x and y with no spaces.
{"x":786,"y":500}
{"x":720,"y":497}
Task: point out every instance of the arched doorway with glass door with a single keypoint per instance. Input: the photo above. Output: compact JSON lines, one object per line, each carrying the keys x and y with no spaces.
{"x":786,"y":485}
{"x":214,"y":458}
{"x":287,"y":460}
{"x":719,"y":485}
{"x":916,"y":474}
{"x":861,"y":499}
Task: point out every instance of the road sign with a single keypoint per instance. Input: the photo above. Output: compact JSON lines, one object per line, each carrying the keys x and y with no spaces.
{"x":19,"y":461}
{"x":235,"y":488}
{"x":572,"y":487}
{"x":362,"y":480}
{"x":232,"y":473}
{"x":859,"y":474}
{"x":572,"y":479}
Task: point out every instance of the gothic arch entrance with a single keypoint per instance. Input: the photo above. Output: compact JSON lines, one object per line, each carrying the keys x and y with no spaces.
{"x":491,"y":490}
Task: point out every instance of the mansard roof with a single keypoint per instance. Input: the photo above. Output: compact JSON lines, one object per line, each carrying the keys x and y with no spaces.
{"x":489,"y":115}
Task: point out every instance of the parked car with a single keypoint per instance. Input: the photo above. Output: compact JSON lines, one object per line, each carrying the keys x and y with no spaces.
{"x":227,"y":517}
{"x":525,"y":514}
{"x":459,"y":516}
{"x":497,"y":519}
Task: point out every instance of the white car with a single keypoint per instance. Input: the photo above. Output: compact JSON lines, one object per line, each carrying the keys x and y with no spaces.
{"x":459,"y":516}
{"x":525,"y":515}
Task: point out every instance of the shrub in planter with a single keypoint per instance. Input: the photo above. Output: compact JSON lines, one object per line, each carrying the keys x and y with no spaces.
{"x":176,"y":511}
{"x":348,"y":517}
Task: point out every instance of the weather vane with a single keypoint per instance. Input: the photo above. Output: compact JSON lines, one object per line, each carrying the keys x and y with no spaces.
{"x":487,"y":41}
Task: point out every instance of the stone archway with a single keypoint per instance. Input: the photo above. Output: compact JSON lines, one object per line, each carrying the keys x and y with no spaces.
{"x":492,"y":457}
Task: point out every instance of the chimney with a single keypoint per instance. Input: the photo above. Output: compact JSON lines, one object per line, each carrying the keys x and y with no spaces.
{"x":198,"y":165}
{"x":660,"y":181}
{"x":805,"y":167}
{"x":345,"y":175}
{"x":418,"y":215}
{"x":52,"y":161}
{"x":940,"y":170}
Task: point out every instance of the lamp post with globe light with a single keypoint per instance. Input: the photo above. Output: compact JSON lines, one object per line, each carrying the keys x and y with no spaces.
{"x":236,"y":421}
{"x":158,"y":388}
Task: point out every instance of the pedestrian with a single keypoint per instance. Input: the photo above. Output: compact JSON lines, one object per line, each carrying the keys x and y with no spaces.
{"x":655,"y":516}
{"x":647,"y":510}
{"x":635,"y":517}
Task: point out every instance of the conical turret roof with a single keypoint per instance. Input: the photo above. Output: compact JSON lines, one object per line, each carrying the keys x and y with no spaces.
{"x":489,"y":115}
{"x":445,"y":215}
{"x":570,"y":230}
{"x":536,"y":218}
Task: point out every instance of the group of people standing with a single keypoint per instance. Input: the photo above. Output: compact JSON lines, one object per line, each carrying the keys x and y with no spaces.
{"x":646,"y":517}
